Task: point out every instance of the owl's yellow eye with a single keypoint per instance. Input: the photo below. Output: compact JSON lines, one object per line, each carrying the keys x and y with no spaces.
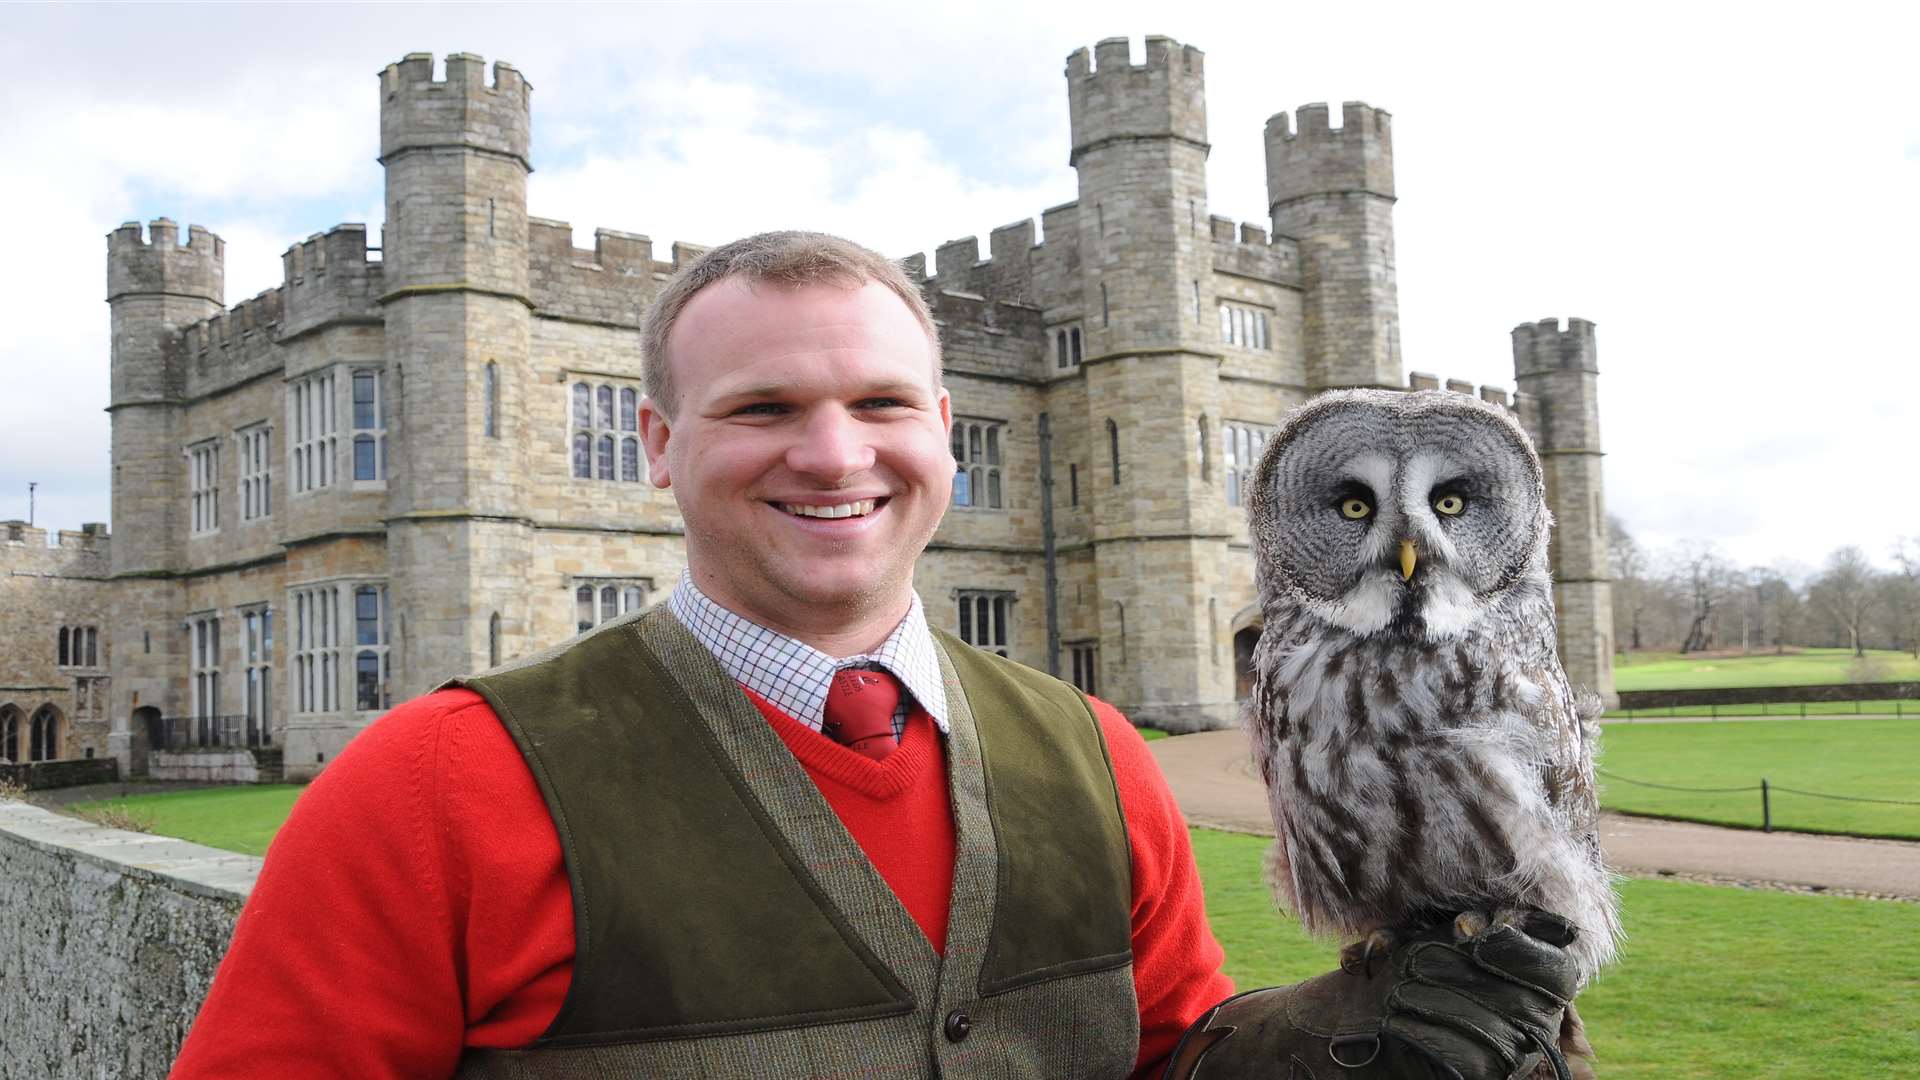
{"x":1355,"y":509}
{"x":1450,"y":504}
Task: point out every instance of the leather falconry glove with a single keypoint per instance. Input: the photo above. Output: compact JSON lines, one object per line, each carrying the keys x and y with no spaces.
{"x":1487,"y":1008}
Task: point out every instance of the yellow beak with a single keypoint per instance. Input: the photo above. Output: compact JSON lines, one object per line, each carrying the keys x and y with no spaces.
{"x":1407,"y":559}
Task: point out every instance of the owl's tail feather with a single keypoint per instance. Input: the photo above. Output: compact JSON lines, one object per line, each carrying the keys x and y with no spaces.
{"x":1573,"y":1046}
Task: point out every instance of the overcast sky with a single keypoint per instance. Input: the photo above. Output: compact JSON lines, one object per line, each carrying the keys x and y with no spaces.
{"x":1733,"y":198}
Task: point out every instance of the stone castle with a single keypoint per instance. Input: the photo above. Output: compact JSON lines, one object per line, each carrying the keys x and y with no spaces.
{"x":420,"y":459}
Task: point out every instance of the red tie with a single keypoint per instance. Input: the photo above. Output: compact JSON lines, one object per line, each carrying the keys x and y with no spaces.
{"x":860,"y":707}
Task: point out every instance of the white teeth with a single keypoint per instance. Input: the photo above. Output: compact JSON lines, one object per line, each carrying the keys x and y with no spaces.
{"x":840,"y":510}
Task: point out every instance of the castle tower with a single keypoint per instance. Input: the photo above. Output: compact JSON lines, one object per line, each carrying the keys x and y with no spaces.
{"x":155,"y":287}
{"x":456,"y":301}
{"x":1556,"y":369}
{"x":1149,"y":308}
{"x":1333,"y":192}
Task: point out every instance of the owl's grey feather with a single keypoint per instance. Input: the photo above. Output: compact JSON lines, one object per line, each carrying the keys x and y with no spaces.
{"x":1422,"y":749}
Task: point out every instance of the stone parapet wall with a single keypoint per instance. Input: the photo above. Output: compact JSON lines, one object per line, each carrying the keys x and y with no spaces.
{"x":72,"y":772}
{"x":110,"y":944}
{"x":212,"y":766}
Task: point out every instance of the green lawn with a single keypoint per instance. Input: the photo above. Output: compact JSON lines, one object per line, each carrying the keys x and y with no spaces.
{"x":1860,"y":758}
{"x":1714,"y":982}
{"x":231,"y":818}
{"x":1807,"y":667}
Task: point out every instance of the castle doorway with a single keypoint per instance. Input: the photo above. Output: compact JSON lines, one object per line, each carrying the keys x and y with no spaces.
{"x":1243,"y":643}
{"x":146,"y":733}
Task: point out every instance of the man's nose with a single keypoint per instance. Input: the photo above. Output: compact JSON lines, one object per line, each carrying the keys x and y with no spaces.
{"x":833,"y":445}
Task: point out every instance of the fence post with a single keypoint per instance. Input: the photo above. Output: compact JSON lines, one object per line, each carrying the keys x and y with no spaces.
{"x":1713,"y":710}
{"x":1803,"y":710}
{"x":1766,"y":807}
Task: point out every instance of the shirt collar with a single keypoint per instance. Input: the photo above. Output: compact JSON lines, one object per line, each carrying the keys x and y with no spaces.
{"x":794,"y":675}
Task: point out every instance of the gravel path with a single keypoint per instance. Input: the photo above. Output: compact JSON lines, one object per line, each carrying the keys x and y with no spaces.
{"x":1213,"y":780}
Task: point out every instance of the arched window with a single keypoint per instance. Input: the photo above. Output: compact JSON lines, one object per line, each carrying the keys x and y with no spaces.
{"x":1113,"y":448}
{"x":630,"y":459}
{"x":490,"y":399}
{"x":606,"y":457}
{"x":605,"y":396}
{"x":583,"y":456}
{"x":582,"y":405}
{"x":583,"y":608}
{"x":629,"y":409}
{"x":9,"y":733}
{"x":609,"y":603}
{"x":44,"y":741}
{"x":634,"y":600}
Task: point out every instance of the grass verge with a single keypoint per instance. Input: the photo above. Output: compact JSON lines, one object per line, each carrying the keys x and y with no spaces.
{"x":1804,"y":667}
{"x":1714,"y":981}
{"x":242,"y":818}
{"x":1855,"y":758}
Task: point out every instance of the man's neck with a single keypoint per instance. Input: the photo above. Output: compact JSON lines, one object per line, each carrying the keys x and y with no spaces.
{"x":837,"y":631}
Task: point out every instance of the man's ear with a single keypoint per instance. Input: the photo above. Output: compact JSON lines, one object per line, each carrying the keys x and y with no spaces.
{"x":655,"y":431}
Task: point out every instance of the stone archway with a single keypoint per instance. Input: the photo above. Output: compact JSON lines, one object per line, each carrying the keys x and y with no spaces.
{"x":43,"y":734}
{"x":1246,"y":634}
{"x":146,"y":732}
{"x":11,"y":721}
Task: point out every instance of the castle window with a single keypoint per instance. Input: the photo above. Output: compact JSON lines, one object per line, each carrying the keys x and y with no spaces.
{"x":985,"y":618}
{"x":1196,"y":300}
{"x":1243,"y":326}
{"x":369,"y":429}
{"x":256,"y":484}
{"x":601,"y":412}
{"x":316,"y":648}
{"x":1113,"y":448}
{"x":44,"y":734}
{"x":1106,"y":313}
{"x":9,"y":733}
{"x":599,"y":600}
{"x":976,"y":456}
{"x":203,"y":470}
{"x":493,"y":640}
{"x":1086,"y":658}
{"x":490,"y":399}
{"x":1242,"y":443}
{"x":370,"y":648}
{"x":204,"y":642}
{"x":1066,"y":347}
{"x":1073,"y":484}
{"x":79,"y":646}
{"x":259,"y":659}
{"x":1206,"y":451}
{"x":314,"y":423}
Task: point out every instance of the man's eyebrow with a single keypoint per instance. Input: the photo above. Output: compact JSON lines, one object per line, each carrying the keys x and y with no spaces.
{"x":890,"y":388}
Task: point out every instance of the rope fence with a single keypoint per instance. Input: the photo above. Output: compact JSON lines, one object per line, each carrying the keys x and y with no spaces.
{"x":1766,"y":790}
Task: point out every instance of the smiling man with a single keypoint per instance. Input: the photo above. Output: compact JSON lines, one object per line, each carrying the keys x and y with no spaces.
{"x":777,"y":826}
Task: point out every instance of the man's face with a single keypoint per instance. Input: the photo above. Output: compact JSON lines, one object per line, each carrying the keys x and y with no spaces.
{"x":808,"y":452}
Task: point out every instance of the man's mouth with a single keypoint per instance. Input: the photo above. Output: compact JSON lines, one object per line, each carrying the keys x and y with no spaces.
{"x":857,"y":508}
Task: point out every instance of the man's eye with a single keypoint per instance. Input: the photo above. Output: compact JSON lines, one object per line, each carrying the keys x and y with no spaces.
{"x":883,"y":403}
{"x":761,"y":408}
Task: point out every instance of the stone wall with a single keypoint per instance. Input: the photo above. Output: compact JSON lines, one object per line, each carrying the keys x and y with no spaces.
{"x":68,"y":772}
{"x":110,"y":944}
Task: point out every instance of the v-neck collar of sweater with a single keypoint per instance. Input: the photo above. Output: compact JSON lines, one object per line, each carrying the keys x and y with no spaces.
{"x":825,"y":759}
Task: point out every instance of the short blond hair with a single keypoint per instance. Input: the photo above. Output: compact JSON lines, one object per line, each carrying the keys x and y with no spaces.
{"x":788,"y":259}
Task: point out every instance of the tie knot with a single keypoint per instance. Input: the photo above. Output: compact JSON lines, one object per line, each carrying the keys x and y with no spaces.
{"x":860,"y":707}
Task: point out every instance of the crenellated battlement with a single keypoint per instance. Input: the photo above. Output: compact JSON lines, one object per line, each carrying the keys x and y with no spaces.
{"x":419,"y":112}
{"x":610,"y":282}
{"x":259,"y":315}
{"x":1109,"y":98}
{"x":1246,"y":249}
{"x":330,"y":276}
{"x":153,"y":261}
{"x":1306,"y":155}
{"x":1544,"y":346}
{"x":1493,"y":395}
{"x":82,"y":553}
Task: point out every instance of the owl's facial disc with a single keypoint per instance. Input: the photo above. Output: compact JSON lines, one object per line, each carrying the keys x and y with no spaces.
{"x":1348,"y":490}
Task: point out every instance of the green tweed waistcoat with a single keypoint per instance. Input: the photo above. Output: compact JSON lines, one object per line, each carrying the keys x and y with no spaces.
{"x":727,"y":925}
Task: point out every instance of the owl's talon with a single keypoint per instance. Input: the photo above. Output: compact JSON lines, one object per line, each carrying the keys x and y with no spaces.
{"x":1357,"y":958}
{"x":1469,"y":925}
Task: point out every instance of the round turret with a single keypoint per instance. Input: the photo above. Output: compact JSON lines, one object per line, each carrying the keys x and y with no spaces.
{"x":156,"y":286}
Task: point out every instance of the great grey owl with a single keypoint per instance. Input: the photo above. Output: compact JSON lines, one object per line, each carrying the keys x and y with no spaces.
{"x":1423,"y":752}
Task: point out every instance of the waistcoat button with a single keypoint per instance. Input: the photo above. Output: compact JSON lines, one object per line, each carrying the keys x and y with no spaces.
{"x":959,"y":1024}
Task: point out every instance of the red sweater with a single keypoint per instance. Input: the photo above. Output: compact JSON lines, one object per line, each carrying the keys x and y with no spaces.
{"x":416,"y":902}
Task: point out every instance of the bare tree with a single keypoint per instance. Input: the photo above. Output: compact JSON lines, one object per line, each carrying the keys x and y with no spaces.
{"x":1706,"y":578}
{"x":1627,"y":562}
{"x":1903,"y":597}
{"x":1779,"y":609}
{"x":1844,"y":593}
